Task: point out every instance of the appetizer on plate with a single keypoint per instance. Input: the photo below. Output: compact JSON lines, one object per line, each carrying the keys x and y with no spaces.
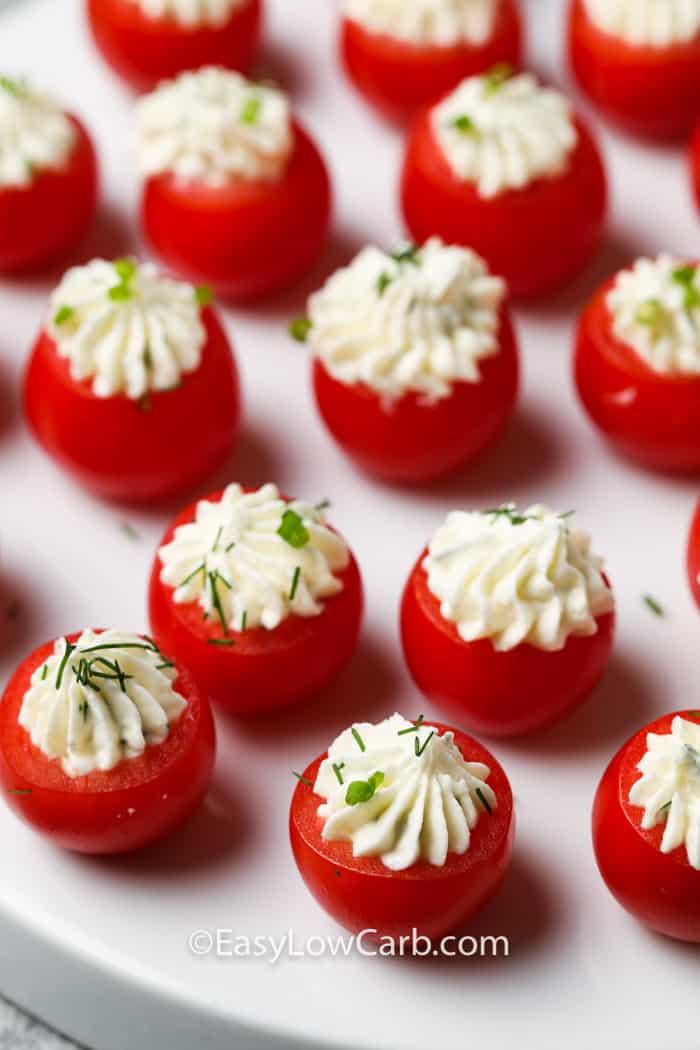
{"x":48,"y":178}
{"x":258,"y":597}
{"x":637,"y":362}
{"x":646,"y":826}
{"x":105,"y":744}
{"x":402,"y":54}
{"x":236,"y":193}
{"x":402,"y":826}
{"x":415,"y":360}
{"x":146,"y":41}
{"x":132,"y":386}
{"x":507,"y":619}
{"x":639,"y":62}
{"x":694,"y":556}
{"x":504,"y":166}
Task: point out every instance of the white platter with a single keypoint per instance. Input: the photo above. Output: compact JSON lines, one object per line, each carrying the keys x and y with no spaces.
{"x":100,"y":949}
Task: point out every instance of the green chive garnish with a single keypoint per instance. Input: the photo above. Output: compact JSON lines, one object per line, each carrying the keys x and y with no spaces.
{"x":63,"y":314}
{"x":358,"y":738}
{"x":363,"y":790}
{"x":337,"y":766}
{"x":204,"y":295}
{"x":383,"y":282}
{"x":250,"y":114}
{"x":295,"y":583}
{"x":299,"y":329}
{"x":651,"y":603}
{"x":221,"y":641}
{"x":293,"y":531}
{"x":414,"y":728}
{"x":301,"y":778}
{"x":484,"y":801}
{"x":420,"y":749}
{"x":464,"y":124}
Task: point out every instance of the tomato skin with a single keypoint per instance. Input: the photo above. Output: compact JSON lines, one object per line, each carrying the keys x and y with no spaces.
{"x":360,"y":893}
{"x":652,"y":92}
{"x":660,"y":890}
{"x":538,"y":238}
{"x":144,"y":50}
{"x":127,"y":453}
{"x":649,"y":417}
{"x":45,"y":219}
{"x":90,"y":814}
{"x":694,"y":556}
{"x":411,"y":442}
{"x":398,"y":76}
{"x":245,"y":238}
{"x":500,"y":694}
{"x":695,"y":164}
{"x":264,"y":670}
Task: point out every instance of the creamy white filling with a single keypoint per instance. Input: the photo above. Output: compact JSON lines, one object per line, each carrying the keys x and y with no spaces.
{"x":651,"y":23}
{"x":214,"y":125}
{"x":655,"y":308}
{"x":402,"y":793}
{"x":669,"y":789}
{"x":35,"y":134}
{"x":251,"y":559}
{"x":416,"y":321}
{"x":502,"y":133}
{"x":517,"y":577}
{"x":102,"y":700}
{"x":429,"y":22}
{"x":191,"y":13}
{"x":126,"y":328}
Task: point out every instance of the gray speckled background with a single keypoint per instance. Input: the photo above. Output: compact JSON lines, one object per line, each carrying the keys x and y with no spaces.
{"x":19,"y":1032}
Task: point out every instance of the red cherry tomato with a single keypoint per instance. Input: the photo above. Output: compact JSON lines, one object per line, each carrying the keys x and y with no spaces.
{"x":360,"y":893}
{"x":538,"y":238}
{"x":497,"y":693}
{"x":139,"y":801}
{"x":694,"y":556}
{"x":136,"y":451}
{"x":411,"y":441}
{"x":695,"y":164}
{"x":41,"y":221}
{"x":650,"y":417}
{"x":661,"y":890}
{"x":245,"y":238}
{"x":145,"y":50}
{"x":650,"y":91}
{"x":399,"y":76}
{"x":262,"y":670}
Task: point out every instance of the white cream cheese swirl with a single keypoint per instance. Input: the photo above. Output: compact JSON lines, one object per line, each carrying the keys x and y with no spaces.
{"x":126,"y":328}
{"x":655,"y":308}
{"x":427,"y":801}
{"x":517,"y":577}
{"x":214,"y":125}
{"x":647,"y":23}
{"x":416,"y":321}
{"x":502,"y":133}
{"x":35,"y":134}
{"x":251,"y":559}
{"x":428,"y":22}
{"x":191,"y":13}
{"x":102,"y":700}
{"x":669,"y":789}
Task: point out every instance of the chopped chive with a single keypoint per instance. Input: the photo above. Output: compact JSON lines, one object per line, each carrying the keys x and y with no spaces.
{"x":651,"y":313}
{"x":407,"y":253}
{"x":149,"y":645}
{"x":218,"y":537}
{"x":20,"y":791}
{"x":293,"y":531}
{"x":64,"y":660}
{"x":63,"y":314}
{"x":325,"y":504}
{"x":44,"y":672}
{"x":383,"y":282}
{"x":216,"y":601}
{"x":358,"y":738}
{"x":299,"y":329}
{"x":414,"y":728}
{"x":484,"y":801}
{"x":417,"y":744}
{"x":496,"y":78}
{"x":195,"y":572}
{"x":119,"y":293}
{"x":651,"y":603}
{"x":203,"y":295}
{"x":295,"y":583}
{"x":12,"y":87}
{"x":509,"y":511}
{"x":464,"y":124}
{"x":165,"y":666}
{"x":230,"y":547}
{"x":250,"y":114}
{"x":337,"y":766}
{"x":129,"y":530}
{"x":695,"y":714}
{"x":221,"y":641}
{"x":363,"y":790}
{"x":125,"y":268}
{"x":301,"y":779}
{"x":244,"y":620}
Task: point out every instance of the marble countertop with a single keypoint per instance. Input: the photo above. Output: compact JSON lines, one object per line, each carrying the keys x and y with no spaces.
{"x":20,"y":1032}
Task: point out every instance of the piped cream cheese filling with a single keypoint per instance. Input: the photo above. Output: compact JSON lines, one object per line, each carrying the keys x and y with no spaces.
{"x":191,"y":13}
{"x":647,"y":23}
{"x":427,"y":22}
{"x":35,"y":134}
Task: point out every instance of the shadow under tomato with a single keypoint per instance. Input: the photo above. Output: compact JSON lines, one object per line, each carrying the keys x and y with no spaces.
{"x":283,"y":67}
{"x":9,"y":402}
{"x":17,"y":616}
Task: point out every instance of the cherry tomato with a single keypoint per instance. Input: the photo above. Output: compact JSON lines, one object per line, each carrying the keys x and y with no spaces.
{"x":497,"y":693}
{"x":648,"y":416}
{"x":661,"y":890}
{"x":41,"y":221}
{"x":245,"y":238}
{"x":145,"y":50}
{"x":695,"y":164}
{"x":538,"y":238}
{"x":400,"y":76}
{"x":263,"y":669}
{"x":136,"y":451}
{"x":694,"y":556}
{"x":360,"y":893}
{"x":411,"y":440}
{"x":650,"y":91}
{"x":139,"y":801}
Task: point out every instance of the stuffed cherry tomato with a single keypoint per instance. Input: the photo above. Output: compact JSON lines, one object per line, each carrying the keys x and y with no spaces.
{"x":403,"y":826}
{"x":507,"y":620}
{"x":639,"y":62}
{"x":257,"y":597}
{"x":694,"y":556}
{"x":401,"y":58}
{"x":105,"y":745}
{"x":415,"y":361}
{"x":146,"y":42}
{"x":473,"y":176}
{"x":48,"y":178}
{"x":236,"y":193}
{"x":637,"y":363}
{"x":132,"y":386}
{"x":646,"y":826}
{"x":695,"y":164}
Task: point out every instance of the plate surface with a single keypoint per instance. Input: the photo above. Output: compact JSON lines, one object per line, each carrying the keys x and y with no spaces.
{"x":101,"y":949}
